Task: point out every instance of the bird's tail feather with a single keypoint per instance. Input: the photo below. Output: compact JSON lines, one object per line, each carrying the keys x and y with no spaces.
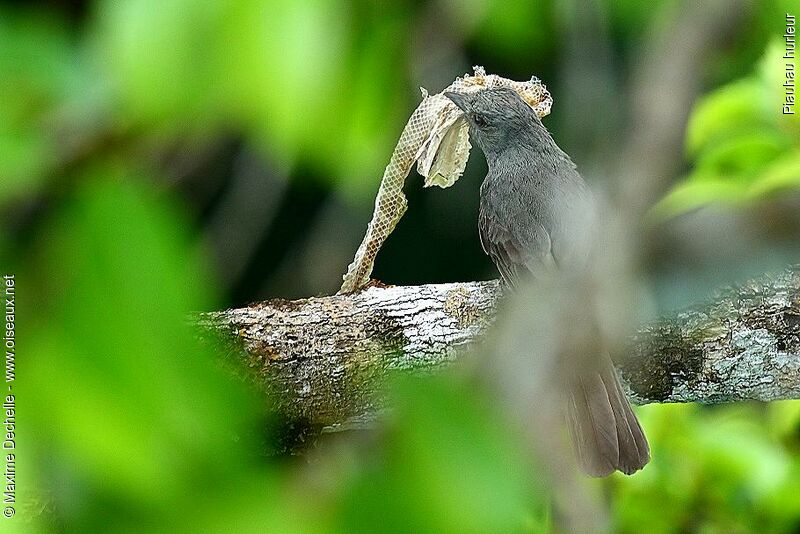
{"x":605,"y":432}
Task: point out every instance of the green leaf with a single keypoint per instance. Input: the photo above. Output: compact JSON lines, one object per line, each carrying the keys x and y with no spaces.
{"x":448,"y":466}
{"x":784,"y":418}
{"x":517,"y":27}
{"x":121,"y":396}
{"x":743,"y":147}
{"x":725,"y":113}
{"x":161,"y":59}
{"x":713,"y":468}
{"x":694,"y":193}
{"x":39,"y":75}
{"x":277,"y":80}
{"x":743,"y":155}
{"x":783,"y":173}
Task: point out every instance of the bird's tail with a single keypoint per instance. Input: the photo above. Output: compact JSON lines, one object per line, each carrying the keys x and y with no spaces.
{"x":605,"y":432}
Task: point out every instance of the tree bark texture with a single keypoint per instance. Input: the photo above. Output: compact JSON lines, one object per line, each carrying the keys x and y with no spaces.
{"x":325,"y":360}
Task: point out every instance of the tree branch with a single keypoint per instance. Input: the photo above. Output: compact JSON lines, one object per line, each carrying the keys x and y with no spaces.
{"x":327,"y":358}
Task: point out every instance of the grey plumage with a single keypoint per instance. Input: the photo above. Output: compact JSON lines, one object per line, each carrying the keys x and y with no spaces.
{"x":537,"y":218}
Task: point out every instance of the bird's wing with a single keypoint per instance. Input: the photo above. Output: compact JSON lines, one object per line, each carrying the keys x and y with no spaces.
{"x":516,"y":256}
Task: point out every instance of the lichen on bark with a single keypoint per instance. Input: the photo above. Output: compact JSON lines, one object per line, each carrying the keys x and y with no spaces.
{"x":325,"y":359}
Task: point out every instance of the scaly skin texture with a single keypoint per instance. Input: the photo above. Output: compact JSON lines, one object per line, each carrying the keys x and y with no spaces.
{"x":436,"y":136}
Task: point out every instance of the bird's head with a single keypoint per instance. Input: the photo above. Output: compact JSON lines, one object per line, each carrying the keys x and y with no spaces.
{"x":497,"y":117}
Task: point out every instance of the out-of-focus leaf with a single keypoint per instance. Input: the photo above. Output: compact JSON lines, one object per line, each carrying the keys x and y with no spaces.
{"x":713,"y":470}
{"x":512,"y":28}
{"x":783,"y":173}
{"x":449,"y":467}
{"x":694,"y":193}
{"x":38,"y":73}
{"x":260,"y":503}
{"x":744,"y":155}
{"x":24,"y":156}
{"x":631,"y":18}
{"x":371,"y":113}
{"x":117,"y":386}
{"x":742,"y":145}
{"x":725,"y":113}
{"x":283,"y":65}
{"x":785,"y":418}
{"x":287,"y":74}
{"x":161,"y":59}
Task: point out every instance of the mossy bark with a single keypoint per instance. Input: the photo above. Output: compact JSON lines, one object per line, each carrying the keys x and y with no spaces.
{"x":325,"y":360}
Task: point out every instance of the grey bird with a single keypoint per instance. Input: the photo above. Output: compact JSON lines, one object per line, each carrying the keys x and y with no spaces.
{"x":536,"y":218}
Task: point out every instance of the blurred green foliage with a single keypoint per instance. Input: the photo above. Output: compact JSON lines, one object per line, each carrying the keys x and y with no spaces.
{"x":715,"y":469}
{"x":287,"y":73}
{"x":120,"y":402}
{"x":37,"y":73}
{"x":743,"y":147}
{"x":131,"y":425}
{"x":449,"y":464}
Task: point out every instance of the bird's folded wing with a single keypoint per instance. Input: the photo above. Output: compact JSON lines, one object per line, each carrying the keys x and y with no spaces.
{"x":517,"y":257}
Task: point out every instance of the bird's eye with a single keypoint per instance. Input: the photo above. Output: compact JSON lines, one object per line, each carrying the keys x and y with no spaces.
{"x":479,"y":121}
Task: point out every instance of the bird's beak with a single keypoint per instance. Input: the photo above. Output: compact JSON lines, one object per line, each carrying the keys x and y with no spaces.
{"x":461,"y":100}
